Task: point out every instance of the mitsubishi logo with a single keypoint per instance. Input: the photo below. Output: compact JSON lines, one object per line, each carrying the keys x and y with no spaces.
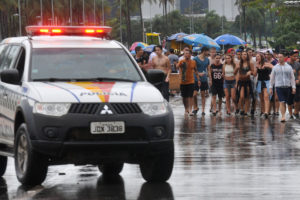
{"x":106,"y":110}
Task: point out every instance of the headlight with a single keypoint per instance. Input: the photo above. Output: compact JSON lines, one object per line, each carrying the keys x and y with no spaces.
{"x":51,"y":109}
{"x":154,"y":108}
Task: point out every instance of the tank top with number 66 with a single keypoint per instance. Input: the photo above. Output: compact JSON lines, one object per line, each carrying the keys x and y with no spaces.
{"x":216,"y":73}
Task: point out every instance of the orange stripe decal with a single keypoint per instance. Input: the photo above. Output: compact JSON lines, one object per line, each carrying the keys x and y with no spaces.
{"x":101,"y":88}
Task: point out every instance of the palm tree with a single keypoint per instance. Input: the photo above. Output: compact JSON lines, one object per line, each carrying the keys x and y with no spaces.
{"x":165,"y":10}
{"x":242,"y":11}
{"x":7,"y":20}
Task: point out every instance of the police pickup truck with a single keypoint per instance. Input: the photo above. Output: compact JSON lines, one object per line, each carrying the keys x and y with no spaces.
{"x":69,"y":95}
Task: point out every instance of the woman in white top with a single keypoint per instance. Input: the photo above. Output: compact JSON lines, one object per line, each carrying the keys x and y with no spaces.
{"x":229,"y":71}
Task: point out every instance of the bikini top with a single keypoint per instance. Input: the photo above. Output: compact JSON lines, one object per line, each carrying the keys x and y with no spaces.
{"x":244,"y":70}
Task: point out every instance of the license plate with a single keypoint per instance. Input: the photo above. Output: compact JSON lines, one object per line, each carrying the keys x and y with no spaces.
{"x":107,"y":127}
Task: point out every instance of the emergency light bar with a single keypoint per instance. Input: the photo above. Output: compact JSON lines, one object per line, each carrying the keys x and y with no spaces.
{"x":97,"y":31}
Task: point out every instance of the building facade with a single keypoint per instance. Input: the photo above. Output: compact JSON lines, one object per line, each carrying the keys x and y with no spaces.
{"x":225,"y":8}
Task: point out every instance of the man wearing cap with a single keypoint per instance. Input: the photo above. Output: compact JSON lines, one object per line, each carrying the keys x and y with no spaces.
{"x":231,"y":51}
{"x":270,"y":57}
{"x":296,"y":67}
{"x":283,"y":79}
{"x":274,"y":100}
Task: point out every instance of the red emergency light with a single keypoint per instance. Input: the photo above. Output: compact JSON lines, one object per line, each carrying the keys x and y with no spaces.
{"x":97,"y":31}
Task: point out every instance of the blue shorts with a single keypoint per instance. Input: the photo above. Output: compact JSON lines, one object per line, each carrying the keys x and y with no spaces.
{"x":285,"y":95}
{"x":261,"y":85}
{"x":229,"y":84}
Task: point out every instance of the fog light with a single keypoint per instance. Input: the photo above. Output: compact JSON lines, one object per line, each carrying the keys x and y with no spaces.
{"x":51,"y":132}
{"x":159,"y":131}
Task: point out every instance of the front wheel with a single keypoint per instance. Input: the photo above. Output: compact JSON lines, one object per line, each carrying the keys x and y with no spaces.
{"x":158,"y":168}
{"x":31,"y":167}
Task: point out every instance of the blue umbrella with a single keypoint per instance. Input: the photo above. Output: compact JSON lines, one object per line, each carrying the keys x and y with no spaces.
{"x":178,"y":36}
{"x":229,"y":39}
{"x":149,"y":48}
{"x":200,"y":40}
{"x":196,"y":49}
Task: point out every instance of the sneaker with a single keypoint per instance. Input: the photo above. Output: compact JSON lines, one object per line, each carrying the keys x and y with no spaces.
{"x":228,"y":113}
{"x":252,"y":112}
{"x":195,"y":111}
{"x":292,"y":117}
{"x":277,"y":113}
{"x":203,"y":113}
{"x":214,"y":113}
{"x":266,"y":115}
{"x":297,"y":116}
{"x":237,"y":111}
{"x":242,"y":113}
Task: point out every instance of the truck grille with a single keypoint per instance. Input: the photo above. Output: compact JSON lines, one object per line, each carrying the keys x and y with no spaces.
{"x":93,"y":108}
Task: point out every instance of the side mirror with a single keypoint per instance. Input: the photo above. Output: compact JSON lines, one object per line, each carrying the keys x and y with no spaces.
{"x":155,"y":76}
{"x":10,"y":76}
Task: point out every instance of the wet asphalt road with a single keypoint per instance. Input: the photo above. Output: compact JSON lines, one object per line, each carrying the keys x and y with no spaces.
{"x":216,"y":158}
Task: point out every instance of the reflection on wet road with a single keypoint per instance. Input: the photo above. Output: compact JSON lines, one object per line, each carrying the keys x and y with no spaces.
{"x":216,"y":158}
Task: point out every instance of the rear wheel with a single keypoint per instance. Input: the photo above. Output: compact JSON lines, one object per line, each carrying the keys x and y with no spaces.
{"x":158,"y":168}
{"x":31,"y":167}
{"x":3,"y":164}
{"x":111,"y":169}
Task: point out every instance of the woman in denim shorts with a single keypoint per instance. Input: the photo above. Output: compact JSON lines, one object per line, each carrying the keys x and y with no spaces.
{"x":263,"y":84}
{"x":229,"y":71}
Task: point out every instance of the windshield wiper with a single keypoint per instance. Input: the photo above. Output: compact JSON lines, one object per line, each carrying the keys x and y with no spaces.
{"x":106,"y":79}
{"x":83,"y":79}
{"x":53,"y":79}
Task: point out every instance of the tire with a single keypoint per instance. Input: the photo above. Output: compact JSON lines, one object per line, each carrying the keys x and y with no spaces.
{"x":158,"y":168}
{"x":3,"y":165}
{"x":111,"y":169}
{"x":31,"y":167}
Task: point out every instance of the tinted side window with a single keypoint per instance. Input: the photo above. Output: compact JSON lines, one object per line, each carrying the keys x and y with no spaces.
{"x":20,"y":63}
{"x":3,"y":51}
{"x":10,"y":57}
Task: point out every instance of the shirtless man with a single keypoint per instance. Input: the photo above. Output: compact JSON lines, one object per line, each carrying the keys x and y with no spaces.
{"x":162,"y":62}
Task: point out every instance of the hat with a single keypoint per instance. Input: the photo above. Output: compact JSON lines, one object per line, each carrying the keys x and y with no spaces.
{"x":230,"y":50}
{"x":269,"y":51}
{"x":294,"y":51}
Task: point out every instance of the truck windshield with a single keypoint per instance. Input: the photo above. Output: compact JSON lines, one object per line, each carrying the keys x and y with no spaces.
{"x":82,"y":64}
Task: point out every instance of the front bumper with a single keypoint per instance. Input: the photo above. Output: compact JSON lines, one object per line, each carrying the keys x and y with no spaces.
{"x":70,"y":140}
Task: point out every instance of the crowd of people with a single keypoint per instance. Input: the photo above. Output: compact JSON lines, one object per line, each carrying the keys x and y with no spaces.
{"x":250,"y":81}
